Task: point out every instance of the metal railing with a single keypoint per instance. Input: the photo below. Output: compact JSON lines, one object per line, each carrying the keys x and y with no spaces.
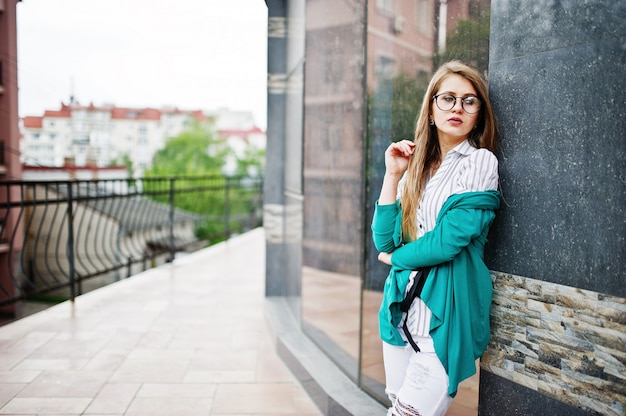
{"x":55,"y":235}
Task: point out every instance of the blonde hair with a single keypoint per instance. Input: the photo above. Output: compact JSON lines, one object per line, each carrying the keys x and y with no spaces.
{"x":427,"y":150}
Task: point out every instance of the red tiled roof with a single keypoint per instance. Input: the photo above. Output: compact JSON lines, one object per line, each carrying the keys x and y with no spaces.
{"x":118,"y":113}
{"x":198,"y":115}
{"x":33,"y":122}
{"x":58,"y":113}
{"x":122,"y":113}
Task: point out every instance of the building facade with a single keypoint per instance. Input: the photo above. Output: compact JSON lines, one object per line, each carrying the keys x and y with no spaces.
{"x":100,"y":135}
{"x":104,"y":135}
{"x":344,"y":80}
{"x":10,"y":167}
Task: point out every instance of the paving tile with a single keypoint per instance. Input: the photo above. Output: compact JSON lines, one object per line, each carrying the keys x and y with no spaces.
{"x":153,"y":365}
{"x":30,"y":341}
{"x":124,"y":340}
{"x":271,"y":368}
{"x":9,"y":390}
{"x":254,"y":398}
{"x":18,"y":376}
{"x":225,"y":376}
{"x":10,"y":358}
{"x":76,"y":345}
{"x":113,"y":399}
{"x":68,"y":384}
{"x":51,"y":364}
{"x":106,"y":360}
{"x":49,"y":405}
{"x":186,"y":390}
{"x":169,"y":406}
{"x":224,"y":359}
{"x":167,"y":371}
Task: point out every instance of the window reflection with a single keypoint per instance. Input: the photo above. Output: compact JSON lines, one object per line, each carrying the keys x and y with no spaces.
{"x":333,"y":178}
{"x":364,"y":83}
{"x":404,"y":48}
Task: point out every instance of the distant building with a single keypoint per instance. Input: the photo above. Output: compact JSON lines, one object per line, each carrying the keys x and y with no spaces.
{"x":238,"y":129}
{"x":101,"y":136}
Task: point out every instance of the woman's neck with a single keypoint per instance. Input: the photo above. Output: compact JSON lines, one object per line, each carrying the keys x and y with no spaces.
{"x":445,"y":145}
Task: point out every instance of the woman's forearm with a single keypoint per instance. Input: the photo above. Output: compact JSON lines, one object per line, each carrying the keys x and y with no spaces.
{"x":389,"y":190}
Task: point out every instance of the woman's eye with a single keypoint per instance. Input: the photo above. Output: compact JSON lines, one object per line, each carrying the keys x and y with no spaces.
{"x":448,"y":98}
{"x":470,"y":100}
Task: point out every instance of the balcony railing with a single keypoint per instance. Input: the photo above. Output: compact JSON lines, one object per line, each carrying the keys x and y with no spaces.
{"x":58,"y":234}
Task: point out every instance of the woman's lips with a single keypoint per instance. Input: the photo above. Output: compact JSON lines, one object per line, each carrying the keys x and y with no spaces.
{"x":455,"y":121}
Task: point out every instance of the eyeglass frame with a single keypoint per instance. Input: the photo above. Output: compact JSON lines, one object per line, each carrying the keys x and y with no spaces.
{"x":480,"y":103}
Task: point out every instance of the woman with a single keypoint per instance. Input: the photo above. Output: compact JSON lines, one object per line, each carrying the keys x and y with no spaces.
{"x":437,"y":202}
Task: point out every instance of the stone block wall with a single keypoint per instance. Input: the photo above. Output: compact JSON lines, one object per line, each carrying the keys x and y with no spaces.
{"x":560,"y":341}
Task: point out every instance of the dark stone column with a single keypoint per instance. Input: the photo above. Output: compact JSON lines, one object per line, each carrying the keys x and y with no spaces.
{"x":274,"y":186}
{"x":558,"y":83}
{"x":283,"y":172}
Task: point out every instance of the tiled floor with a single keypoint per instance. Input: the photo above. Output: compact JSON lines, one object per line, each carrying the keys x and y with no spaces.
{"x":183,"y":339}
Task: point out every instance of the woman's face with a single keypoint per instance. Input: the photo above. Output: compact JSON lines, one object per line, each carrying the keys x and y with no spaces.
{"x":455,"y":123}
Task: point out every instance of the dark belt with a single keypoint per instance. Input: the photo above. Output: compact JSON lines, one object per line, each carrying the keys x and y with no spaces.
{"x":414,"y":292}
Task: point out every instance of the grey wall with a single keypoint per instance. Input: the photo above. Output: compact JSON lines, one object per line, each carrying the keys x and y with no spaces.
{"x":558,"y":79}
{"x":558,"y":83}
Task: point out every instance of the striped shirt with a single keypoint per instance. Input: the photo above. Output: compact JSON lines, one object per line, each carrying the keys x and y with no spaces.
{"x":464,"y":169}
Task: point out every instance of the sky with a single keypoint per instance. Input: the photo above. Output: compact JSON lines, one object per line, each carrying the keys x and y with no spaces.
{"x":190,"y":54}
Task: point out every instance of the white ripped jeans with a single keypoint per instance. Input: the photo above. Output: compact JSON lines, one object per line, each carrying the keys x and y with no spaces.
{"x":417,"y":383}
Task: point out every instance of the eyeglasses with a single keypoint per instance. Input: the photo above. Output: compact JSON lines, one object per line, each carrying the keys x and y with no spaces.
{"x":446,"y":102}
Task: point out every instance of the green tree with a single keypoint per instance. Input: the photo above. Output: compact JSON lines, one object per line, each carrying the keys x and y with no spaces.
{"x":125,"y":160}
{"x":193,"y":163}
{"x":408,"y":92}
{"x":394,"y":107}
{"x":469,"y":43}
{"x":252,"y":163}
{"x":195,"y":151}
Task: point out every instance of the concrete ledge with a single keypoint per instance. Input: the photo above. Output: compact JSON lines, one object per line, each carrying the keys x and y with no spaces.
{"x":329,"y":388}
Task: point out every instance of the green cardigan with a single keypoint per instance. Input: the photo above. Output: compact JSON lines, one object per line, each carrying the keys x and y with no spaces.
{"x":458,"y":289}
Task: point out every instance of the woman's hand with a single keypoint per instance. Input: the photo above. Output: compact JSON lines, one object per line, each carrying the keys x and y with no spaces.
{"x":396,"y":162}
{"x":385,"y":258}
{"x":397,"y":157}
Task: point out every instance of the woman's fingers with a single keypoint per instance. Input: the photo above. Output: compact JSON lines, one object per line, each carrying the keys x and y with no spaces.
{"x":402,"y":148}
{"x":397,"y":156}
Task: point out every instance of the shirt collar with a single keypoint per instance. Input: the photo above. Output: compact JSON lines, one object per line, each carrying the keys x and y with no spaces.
{"x":464,"y":148}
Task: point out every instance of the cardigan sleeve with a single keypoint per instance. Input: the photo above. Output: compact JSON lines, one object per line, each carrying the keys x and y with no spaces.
{"x":453,"y":232}
{"x":387,"y":227}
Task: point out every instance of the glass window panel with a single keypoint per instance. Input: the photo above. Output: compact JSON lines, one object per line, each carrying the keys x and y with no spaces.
{"x":403,"y":50}
{"x":333,"y":237}
{"x":363,"y":86}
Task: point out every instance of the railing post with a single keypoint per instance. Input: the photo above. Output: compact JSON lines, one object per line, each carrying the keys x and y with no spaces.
{"x":172,"y":248}
{"x":227,"y":209}
{"x":70,"y":240}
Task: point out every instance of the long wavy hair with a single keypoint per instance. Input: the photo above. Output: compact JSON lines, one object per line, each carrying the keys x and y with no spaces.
{"x":427,"y":152}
